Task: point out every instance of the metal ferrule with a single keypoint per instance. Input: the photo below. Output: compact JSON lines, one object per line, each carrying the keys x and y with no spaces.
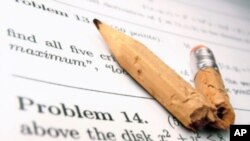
{"x":201,"y":58}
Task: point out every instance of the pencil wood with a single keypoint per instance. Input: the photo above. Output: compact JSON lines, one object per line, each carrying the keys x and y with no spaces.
{"x":208,"y":81}
{"x":189,"y":106}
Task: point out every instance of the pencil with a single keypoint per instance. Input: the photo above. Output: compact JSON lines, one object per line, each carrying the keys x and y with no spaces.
{"x":190,"y":107}
{"x":208,"y":81}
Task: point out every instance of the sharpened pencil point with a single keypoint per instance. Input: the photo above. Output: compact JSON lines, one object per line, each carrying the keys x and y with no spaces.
{"x":97,"y":22}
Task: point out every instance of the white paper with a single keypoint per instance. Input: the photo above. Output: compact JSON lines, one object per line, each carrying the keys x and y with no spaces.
{"x":53,"y":61}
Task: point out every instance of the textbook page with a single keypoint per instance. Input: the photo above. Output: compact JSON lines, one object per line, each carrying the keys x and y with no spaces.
{"x":59,"y":80}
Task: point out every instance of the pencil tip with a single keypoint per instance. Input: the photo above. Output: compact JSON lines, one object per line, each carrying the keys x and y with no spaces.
{"x":97,"y":22}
